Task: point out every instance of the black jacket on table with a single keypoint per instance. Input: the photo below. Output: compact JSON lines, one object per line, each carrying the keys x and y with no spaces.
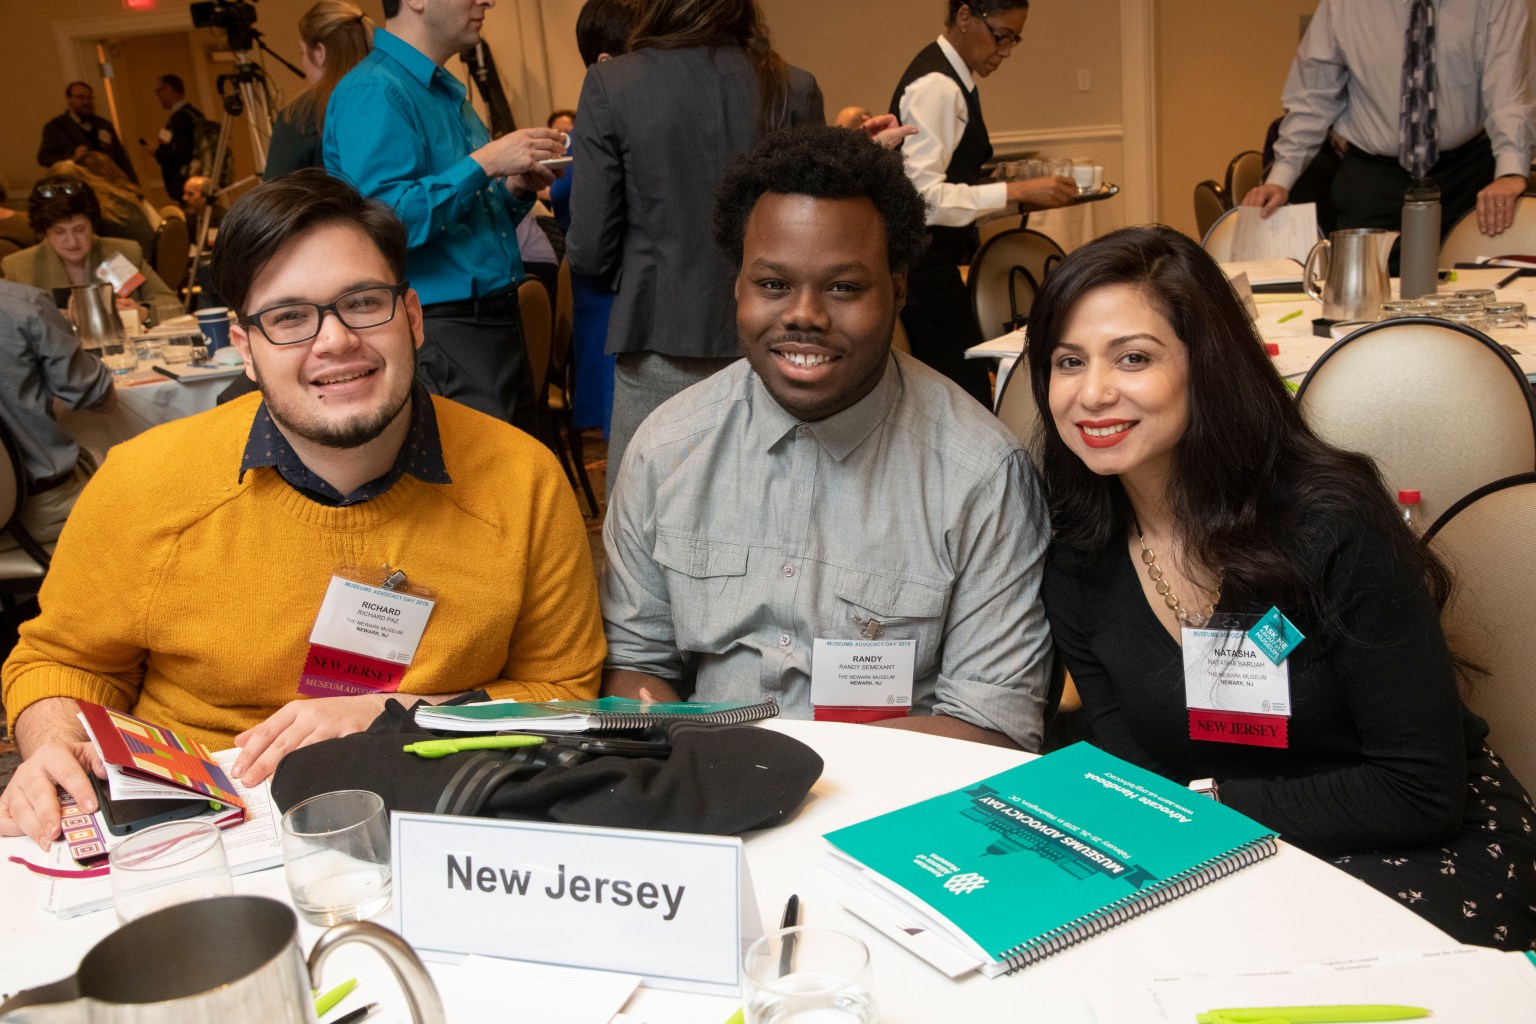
{"x":1379,"y":737}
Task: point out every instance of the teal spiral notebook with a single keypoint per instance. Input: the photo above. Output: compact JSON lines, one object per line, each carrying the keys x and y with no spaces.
{"x":1007,"y":871}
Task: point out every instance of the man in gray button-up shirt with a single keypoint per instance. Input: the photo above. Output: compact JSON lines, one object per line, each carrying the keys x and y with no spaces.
{"x":826,"y":487}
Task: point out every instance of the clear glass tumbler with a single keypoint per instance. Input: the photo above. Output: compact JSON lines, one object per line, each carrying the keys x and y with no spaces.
{"x":808,"y":976}
{"x":336,"y":856}
{"x":177,"y":862}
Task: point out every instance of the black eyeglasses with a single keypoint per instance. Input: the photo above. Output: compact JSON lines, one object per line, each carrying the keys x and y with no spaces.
{"x":297,"y":322}
{"x":1004,"y":40}
{"x":61,"y":188}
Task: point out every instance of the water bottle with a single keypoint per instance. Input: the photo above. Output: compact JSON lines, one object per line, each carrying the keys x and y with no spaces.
{"x":1408,"y":508}
{"x":1419,"y":257}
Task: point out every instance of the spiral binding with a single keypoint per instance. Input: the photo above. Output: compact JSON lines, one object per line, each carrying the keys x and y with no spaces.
{"x":1086,"y":927}
{"x":603,"y":721}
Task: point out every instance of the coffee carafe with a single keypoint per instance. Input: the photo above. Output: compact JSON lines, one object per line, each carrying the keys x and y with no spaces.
{"x":93,"y":308}
{"x":1353,"y":273}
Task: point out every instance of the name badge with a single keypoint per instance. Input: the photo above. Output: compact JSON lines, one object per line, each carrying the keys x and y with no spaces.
{"x":677,"y":909}
{"x":1234,"y":692}
{"x":363,"y":640}
{"x":862,"y":680}
{"x":120,"y":273}
{"x":164,"y":136}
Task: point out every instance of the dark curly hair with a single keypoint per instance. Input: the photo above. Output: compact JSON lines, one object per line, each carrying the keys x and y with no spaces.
{"x":268,"y":216}
{"x":44,"y":211}
{"x":823,"y":162}
{"x":982,"y":8}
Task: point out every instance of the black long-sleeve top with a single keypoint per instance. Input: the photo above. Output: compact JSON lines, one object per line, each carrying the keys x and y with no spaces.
{"x":1379,"y":737}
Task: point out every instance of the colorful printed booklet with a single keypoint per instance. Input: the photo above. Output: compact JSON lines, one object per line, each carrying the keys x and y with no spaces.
{"x":1003,"y":873}
{"x":604,"y":714}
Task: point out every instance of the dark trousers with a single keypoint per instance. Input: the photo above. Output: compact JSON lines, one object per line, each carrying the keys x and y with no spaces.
{"x":941,"y":324}
{"x":474,"y":354}
{"x":1368,"y":190}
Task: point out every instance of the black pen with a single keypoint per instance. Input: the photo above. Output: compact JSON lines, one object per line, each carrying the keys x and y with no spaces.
{"x":356,"y":1015}
{"x":787,"y":950}
{"x":1505,"y":281}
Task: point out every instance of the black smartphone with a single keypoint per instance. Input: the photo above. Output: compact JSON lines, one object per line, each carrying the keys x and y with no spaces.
{"x":123,"y":817}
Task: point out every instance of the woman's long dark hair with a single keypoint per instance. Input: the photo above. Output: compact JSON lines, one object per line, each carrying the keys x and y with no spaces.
{"x":677,"y":24}
{"x":1252,"y":489}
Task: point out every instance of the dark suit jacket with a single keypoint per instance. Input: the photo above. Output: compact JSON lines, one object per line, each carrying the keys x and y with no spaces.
{"x":657,"y":130}
{"x":62,"y":136}
{"x":174,"y":156}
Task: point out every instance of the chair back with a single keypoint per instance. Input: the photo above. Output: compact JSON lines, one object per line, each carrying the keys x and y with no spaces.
{"x":1210,"y":204}
{"x":1244,"y":172}
{"x":172,"y":241}
{"x":565,"y":320}
{"x":1464,"y":243}
{"x":1016,"y":408}
{"x":30,"y":559}
{"x":6,"y":248}
{"x":1441,"y":408}
{"x":538,"y":329}
{"x":1005,"y":275}
{"x":1491,"y":617}
{"x":1218,"y":238}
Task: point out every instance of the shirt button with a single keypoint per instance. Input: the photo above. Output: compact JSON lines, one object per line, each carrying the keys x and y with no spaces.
{"x":789,"y":571}
{"x":783,"y":639}
{"x":802,"y":430}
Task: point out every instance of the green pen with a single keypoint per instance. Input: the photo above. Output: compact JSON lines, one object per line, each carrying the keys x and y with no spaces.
{"x":453,"y":745}
{"x":1311,"y":1014}
{"x":323,"y":1004}
{"x":1289,"y":316}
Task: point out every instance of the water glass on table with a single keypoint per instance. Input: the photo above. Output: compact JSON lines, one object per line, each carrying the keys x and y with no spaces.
{"x":177,"y":862}
{"x":336,"y":856}
{"x":808,"y":976}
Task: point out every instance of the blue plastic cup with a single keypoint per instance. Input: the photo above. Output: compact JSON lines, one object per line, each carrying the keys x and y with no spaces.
{"x":214,"y":323}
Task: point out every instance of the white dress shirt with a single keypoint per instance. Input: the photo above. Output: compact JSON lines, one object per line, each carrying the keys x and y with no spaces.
{"x":1348,"y":74}
{"x":936,"y":105}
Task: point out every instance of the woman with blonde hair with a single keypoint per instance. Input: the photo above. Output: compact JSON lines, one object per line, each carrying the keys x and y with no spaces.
{"x":336,"y":36}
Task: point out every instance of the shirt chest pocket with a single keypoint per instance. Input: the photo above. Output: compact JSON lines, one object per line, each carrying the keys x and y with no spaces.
{"x":873,"y":607}
{"x":705,"y":585}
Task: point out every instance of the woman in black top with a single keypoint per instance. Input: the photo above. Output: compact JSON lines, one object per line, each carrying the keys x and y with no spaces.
{"x":336,"y":35}
{"x":1188,"y":498}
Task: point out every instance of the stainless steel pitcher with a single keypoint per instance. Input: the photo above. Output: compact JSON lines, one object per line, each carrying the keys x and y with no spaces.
{"x":1353,"y":273}
{"x":231,"y":959}
{"x":93,"y":308}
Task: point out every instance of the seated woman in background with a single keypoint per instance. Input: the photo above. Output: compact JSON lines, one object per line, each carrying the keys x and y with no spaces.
{"x":65,"y":213}
{"x":335,"y":35}
{"x":1186,"y":491}
{"x":124,"y":213}
{"x":13,"y":225}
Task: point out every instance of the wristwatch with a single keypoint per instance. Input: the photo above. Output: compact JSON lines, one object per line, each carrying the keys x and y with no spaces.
{"x":1206,"y":787}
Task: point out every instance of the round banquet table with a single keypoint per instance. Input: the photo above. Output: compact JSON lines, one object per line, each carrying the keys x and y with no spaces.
{"x":1289,"y":909}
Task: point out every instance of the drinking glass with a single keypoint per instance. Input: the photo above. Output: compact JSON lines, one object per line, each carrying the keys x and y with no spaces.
{"x":1505,"y":315}
{"x":336,"y":856}
{"x":808,"y":976}
{"x":177,"y":862}
{"x":118,"y":356}
{"x":178,"y":348}
{"x":1479,"y":294}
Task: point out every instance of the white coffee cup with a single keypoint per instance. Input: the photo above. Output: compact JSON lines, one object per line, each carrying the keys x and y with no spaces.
{"x":1083,"y":175}
{"x":1098,"y":177}
{"x":132,"y":322}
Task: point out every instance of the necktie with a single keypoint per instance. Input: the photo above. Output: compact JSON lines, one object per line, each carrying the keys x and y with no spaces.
{"x":1419,"y":137}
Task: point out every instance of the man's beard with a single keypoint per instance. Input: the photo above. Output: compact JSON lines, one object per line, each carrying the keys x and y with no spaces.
{"x":341,"y":436}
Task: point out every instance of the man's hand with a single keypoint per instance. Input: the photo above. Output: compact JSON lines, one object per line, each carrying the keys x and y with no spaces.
{"x":623,"y":682}
{"x":517,"y":155}
{"x":1496,"y":204}
{"x":1042,"y":193}
{"x":1268,"y":198}
{"x":298,"y":724}
{"x":80,"y":151}
{"x":30,"y":804}
{"x":885,"y":131}
{"x":948,"y":725}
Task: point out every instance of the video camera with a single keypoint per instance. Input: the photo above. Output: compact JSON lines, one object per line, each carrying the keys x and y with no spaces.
{"x":235,"y":17}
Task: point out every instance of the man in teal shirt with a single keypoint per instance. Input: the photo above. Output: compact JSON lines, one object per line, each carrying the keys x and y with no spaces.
{"x":401,"y":128}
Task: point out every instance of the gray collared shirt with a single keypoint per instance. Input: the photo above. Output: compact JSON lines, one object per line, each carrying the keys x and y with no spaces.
{"x":737,"y":535}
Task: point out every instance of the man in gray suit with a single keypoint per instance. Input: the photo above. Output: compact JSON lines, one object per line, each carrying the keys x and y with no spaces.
{"x":656,"y":130}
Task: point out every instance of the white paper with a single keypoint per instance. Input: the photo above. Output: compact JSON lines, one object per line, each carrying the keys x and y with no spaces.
{"x":487,"y":989}
{"x":1262,"y":272}
{"x":1289,"y":232}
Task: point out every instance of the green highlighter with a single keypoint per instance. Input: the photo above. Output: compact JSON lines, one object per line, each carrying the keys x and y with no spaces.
{"x":1311,"y":1014}
{"x":444,"y":747}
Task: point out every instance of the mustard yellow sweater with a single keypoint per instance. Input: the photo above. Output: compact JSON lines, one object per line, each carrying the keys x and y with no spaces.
{"x":186,"y":596}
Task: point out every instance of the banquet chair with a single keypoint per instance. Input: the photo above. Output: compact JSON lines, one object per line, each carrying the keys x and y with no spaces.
{"x":1217,"y":239}
{"x":1016,"y":408}
{"x":557,"y":399}
{"x":21,"y":568}
{"x":1210,"y":204}
{"x":172,"y":242}
{"x":1491,"y":618}
{"x":1441,"y":407}
{"x":1464,"y":243}
{"x":538,"y":328}
{"x":1005,"y":275}
{"x":1245,"y":171}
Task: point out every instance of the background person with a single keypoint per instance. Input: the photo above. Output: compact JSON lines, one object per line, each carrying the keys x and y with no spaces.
{"x":334,"y":37}
{"x":1350,"y":75}
{"x":65,"y":213}
{"x":176,"y":145}
{"x":124,"y":213}
{"x":79,"y":131}
{"x":1185,"y":489}
{"x":700,"y":85}
{"x":13,"y":225}
{"x":937,"y":94}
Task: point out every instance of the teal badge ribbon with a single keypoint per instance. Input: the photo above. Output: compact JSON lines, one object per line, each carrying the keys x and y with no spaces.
{"x":1275,"y":635}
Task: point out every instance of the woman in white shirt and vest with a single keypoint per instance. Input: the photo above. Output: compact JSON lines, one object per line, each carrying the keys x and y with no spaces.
{"x":937,"y":95}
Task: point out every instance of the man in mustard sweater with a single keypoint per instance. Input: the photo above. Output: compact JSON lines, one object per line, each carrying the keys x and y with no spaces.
{"x":431,"y":549}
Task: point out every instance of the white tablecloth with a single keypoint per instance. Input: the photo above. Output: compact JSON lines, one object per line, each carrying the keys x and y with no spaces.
{"x":139,"y":407}
{"x":1291,"y":908}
